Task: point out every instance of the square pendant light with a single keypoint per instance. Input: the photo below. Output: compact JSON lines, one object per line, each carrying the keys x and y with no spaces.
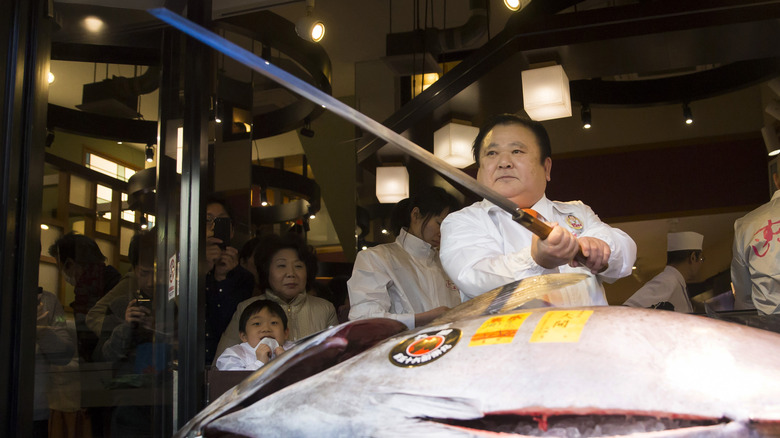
{"x":546,"y":93}
{"x":452,"y":143}
{"x":392,"y":184}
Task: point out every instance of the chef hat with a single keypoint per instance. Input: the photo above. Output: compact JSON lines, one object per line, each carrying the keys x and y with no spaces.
{"x":686,"y":240}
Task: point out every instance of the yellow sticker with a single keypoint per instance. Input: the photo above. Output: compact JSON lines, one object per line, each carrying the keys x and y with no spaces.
{"x":561,"y":326}
{"x":498,"y":329}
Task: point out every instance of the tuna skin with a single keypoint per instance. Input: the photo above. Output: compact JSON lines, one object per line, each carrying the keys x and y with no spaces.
{"x":626,"y":361}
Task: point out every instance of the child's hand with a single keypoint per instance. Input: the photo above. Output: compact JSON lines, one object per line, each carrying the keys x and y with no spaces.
{"x":278,"y":350}
{"x":263,"y":353}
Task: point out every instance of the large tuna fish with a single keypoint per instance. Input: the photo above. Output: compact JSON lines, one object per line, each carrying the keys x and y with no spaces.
{"x":584,"y":371}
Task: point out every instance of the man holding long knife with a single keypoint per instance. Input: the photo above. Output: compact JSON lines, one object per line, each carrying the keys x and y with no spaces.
{"x":490,"y":272}
{"x":483,"y":247}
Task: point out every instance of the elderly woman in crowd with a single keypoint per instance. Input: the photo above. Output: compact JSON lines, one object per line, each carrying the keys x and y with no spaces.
{"x":286,"y":267}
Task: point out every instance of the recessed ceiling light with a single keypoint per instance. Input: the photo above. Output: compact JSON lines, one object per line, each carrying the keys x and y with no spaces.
{"x":93,"y":24}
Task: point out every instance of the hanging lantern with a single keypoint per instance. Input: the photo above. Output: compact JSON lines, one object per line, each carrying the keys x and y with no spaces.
{"x":546,"y":93}
{"x":392,"y":184}
{"x":452,"y":143}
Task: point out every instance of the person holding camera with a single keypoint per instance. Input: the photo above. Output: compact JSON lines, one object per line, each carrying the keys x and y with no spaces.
{"x":137,"y":346}
{"x":127,"y":318}
{"x":227,"y":282}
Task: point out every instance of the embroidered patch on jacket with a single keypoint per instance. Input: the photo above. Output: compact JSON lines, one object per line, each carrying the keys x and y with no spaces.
{"x":574,"y":222}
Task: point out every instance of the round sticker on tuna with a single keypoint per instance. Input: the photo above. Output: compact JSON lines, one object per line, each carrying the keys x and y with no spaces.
{"x":424,"y":348}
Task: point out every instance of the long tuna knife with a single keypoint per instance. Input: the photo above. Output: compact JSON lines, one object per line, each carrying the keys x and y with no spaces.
{"x":327,"y":101}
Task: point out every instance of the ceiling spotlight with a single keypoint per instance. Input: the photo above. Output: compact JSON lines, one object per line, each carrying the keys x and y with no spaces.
{"x":217,"y":110}
{"x":771,"y":140}
{"x":263,"y":198}
{"x":312,"y":216}
{"x":516,"y":5}
{"x":585,"y":116}
{"x":144,"y":222}
{"x":50,"y":77}
{"x":149,"y":153}
{"x":44,"y":227}
{"x":308,"y":27}
{"x":687,"y":114}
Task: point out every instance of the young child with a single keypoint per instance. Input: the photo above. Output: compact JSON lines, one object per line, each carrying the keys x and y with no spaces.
{"x":263,"y":330}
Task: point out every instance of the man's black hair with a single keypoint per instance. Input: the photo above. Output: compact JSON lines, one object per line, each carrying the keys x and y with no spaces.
{"x":256,"y":307}
{"x":142,"y":243}
{"x":675,"y":257}
{"x":214,"y":199}
{"x":77,"y":247}
{"x":537,"y":128}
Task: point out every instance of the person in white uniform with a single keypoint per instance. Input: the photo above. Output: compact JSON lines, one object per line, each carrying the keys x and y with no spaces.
{"x":404,"y":280}
{"x":683,"y":262}
{"x":755,"y":264}
{"x":483,"y":248}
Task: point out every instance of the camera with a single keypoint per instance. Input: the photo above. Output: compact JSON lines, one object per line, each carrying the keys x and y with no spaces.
{"x":142,"y":301}
{"x":222,"y":231}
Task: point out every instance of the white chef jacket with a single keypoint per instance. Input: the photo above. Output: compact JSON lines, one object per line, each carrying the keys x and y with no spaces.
{"x":669,"y":286}
{"x":482,"y":248}
{"x":397,"y":280}
{"x":755,"y":263}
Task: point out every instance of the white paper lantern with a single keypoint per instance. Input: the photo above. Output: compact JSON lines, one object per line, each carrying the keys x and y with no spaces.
{"x":546,"y":93}
{"x":392,"y":184}
{"x":452,"y":143}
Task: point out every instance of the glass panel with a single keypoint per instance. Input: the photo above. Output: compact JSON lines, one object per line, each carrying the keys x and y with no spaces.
{"x":48,"y":277}
{"x":108,"y":167}
{"x":102,"y":165}
{"x":103,"y":223}
{"x":47,"y":239}
{"x":104,"y":194}
{"x":78,"y":226}
{"x":128,"y":215}
{"x":125,"y":234}
{"x":79,"y":192}
{"x":116,"y":387}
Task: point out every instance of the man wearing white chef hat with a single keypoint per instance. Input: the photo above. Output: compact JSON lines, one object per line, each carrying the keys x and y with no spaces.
{"x":683,"y":261}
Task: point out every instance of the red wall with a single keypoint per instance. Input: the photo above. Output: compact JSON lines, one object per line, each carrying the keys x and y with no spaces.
{"x":716,"y":175}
